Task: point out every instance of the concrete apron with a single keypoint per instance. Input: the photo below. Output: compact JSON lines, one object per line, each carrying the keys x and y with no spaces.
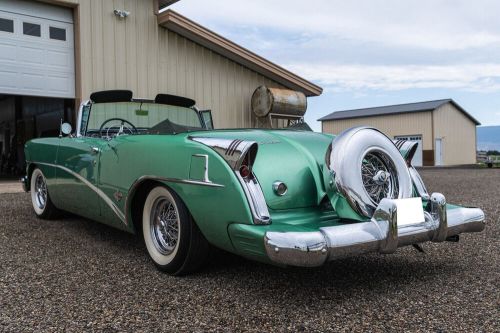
{"x":10,"y":186}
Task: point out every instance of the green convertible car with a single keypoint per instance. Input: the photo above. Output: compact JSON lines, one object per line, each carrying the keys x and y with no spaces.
{"x":288,"y":196}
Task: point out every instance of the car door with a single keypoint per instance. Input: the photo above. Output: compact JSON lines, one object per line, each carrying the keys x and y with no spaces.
{"x":77,"y":175}
{"x":115,"y":177}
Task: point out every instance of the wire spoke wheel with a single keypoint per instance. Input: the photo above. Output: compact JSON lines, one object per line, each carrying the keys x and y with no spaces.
{"x":41,"y":191}
{"x":379,"y":176}
{"x":164,"y":226}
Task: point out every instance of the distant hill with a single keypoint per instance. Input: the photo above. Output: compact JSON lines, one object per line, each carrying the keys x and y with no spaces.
{"x":488,"y":138}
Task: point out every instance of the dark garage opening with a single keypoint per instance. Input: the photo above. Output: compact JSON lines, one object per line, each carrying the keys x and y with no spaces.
{"x":23,"y":118}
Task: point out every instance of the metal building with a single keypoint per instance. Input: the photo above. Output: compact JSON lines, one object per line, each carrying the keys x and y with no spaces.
{"x":445,"y":131}
{"x":54,"y":53}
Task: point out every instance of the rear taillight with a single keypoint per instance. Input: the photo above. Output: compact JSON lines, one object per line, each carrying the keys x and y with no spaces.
{"x":245,"y":171}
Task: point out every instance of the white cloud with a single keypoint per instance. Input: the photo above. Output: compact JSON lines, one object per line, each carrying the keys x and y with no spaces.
{"x":425,"y":24}
{"x":469,"y":77}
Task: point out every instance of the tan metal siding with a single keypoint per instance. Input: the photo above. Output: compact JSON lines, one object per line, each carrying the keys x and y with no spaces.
{"x":392,"y":125}
{"x":458,"y":133}
{"x":137,"y":54}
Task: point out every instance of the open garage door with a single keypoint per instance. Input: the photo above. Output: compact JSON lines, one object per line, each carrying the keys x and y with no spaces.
{"x":417,"y":158}
{"x":36,"y":49}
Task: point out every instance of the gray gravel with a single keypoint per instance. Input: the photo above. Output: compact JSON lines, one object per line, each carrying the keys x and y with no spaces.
{"x":78,"y":275}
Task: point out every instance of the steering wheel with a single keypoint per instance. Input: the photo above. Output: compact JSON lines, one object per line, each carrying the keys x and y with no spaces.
{"x":131,"y":129}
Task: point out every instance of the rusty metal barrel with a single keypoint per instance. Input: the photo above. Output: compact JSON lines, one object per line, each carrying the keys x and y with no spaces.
{"x":277,"y":101}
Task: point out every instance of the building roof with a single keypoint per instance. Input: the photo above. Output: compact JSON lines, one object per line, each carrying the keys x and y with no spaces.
{"x":395,"y":109}
{"x":209,"y":39}
{"x":165,"y":3}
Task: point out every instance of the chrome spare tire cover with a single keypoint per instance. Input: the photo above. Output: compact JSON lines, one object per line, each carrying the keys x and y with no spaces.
{"x":367,"y":167}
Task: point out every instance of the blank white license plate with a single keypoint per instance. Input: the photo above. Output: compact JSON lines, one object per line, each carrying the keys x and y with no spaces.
{"x":410,"y":211}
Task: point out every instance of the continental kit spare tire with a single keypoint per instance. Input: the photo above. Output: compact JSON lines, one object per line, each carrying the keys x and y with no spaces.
{"x":367,"y":167}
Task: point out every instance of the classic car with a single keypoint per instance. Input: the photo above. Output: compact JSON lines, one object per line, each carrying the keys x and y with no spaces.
{"x":283,"y":196}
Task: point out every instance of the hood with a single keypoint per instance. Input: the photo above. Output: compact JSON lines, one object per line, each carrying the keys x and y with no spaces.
{"x":296,"y":158}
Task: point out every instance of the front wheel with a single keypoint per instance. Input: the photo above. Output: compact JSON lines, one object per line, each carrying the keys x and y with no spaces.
{"x":40,"y":199}
{"x":173,"y":240}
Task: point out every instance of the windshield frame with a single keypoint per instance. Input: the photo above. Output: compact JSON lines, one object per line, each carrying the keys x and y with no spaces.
{"x":82,"y":132}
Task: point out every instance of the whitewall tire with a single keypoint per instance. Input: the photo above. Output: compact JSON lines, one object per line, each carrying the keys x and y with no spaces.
{"x":40,"y":198}
{"x":173,"y":240}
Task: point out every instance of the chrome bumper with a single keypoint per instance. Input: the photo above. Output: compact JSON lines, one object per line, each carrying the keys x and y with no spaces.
{"x":381,"y":234}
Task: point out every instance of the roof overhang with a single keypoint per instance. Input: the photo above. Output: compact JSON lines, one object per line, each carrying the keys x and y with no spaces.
{"x":191,"y":30}
{"x":165,"y":3}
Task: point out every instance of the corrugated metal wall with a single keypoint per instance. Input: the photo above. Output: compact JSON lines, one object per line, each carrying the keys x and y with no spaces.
{"x":137,"y":54}
{"x":402,"y":124}
{"x":458,"y":133}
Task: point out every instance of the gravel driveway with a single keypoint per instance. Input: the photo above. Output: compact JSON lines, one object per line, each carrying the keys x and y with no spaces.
{"x":78,"y":275}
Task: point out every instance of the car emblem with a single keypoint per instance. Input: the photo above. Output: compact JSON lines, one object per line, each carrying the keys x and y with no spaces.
{"x":381,"y":177}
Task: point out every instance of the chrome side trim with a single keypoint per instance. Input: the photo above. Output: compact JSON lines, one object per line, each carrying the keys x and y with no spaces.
{"x":205,"y":171}
{"x":141,"y":179}
{"x":94,"y":188}
{"x":382,"y":234}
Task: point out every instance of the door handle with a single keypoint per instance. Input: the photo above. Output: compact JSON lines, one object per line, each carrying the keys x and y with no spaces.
{"x":95,"y":150}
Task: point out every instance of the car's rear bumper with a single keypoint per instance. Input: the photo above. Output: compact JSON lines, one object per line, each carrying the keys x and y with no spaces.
{"x":381,"y":234}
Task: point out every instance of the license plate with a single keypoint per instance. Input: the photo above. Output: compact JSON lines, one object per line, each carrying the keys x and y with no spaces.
{"x":409,"y":211}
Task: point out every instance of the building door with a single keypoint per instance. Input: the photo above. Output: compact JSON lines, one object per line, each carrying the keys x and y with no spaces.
{"x":37,"y":75}
{"x":36,"y":49}
{"x":417,"y":158}
{"x":438,"y":152}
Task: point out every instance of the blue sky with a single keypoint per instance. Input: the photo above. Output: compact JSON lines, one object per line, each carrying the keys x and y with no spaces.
{"x":371,"y":53}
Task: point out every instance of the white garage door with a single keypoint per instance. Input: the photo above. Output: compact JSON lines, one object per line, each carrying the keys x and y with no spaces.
{"x":417,"y":158}
{"x":36,"y":49}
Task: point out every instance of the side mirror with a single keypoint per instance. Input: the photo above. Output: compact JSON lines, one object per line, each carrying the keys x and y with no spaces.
{"x":206,"y":116}
{"x":66,"y":128}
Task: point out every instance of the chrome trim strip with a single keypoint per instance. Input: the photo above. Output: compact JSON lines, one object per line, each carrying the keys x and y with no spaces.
{"x":141,"y":179}
{"x":381,"y":234}
{"x":255,"y":198}
{"x":79,"y":118}
{"x":94,"y":188}
{"x":232,"y":151}
{"x":110,"y":202}
{"x":418,"y":183}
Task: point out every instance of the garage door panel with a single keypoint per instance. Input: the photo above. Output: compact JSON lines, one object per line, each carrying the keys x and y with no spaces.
{"x":59,"y":84}
{"x":38,"y":66}
{"x":8,"y":51}
{"x":30,"y":55}
{"x":8,"y":80}
{"x":32,"y":81}
{"x":58,"y":59}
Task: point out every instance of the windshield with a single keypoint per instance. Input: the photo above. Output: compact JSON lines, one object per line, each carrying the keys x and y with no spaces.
{"x":106,"y":119}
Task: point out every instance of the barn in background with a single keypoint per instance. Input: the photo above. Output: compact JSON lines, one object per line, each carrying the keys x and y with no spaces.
{"x":446,"y":133}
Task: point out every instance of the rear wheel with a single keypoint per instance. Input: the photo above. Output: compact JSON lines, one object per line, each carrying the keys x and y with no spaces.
{"x":173,"y":240}
{"x":40,"y":198}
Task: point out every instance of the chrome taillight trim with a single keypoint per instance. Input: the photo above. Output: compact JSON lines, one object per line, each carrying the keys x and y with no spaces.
{"x":256,"y":200}
{"x":418,"y":183}
{"x":232,"y":151}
